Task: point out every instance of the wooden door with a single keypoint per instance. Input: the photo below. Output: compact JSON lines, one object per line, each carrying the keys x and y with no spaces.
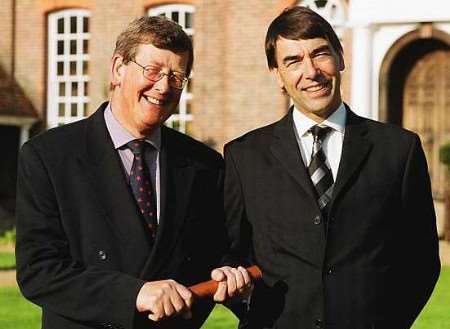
{"x":426,"y":110}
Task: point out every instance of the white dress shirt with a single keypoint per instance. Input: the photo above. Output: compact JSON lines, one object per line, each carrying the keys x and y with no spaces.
{"x":331,"y":146}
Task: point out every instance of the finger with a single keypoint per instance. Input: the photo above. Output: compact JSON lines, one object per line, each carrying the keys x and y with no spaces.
{"x":218,"y":275}
{"x":156,"y":312}
{"x":221,"y":292}
{"x":239,"y":278}
{"x":168,"y":307}
{"x":185,"y":294}
{"x":246,"y":276}
{"x":231,"y":282}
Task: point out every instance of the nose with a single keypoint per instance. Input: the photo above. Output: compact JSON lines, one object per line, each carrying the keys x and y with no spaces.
{"x":309,"y":68}
{"x":162,"y":85}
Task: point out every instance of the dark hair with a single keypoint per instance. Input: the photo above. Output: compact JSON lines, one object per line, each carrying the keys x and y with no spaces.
{"x":158,"y":31}
{"x":297,"y":23}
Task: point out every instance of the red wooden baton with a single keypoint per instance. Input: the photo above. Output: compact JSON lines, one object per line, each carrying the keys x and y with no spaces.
{"x":208,"y":288}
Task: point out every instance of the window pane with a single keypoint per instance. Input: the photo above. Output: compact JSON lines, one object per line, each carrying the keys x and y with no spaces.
{"x":162,"y":14}
{"x":74,"y":89}
{"x":73,"y":47}
{"x":175,"y":16}
{"x":85,"y":24}
{"x":73,"y":68}
{"x":176,"y":124}
{"x":177,"y":110}
{"x":85,"y":109}
{"x":60,"y":68}
{"x":60,"y":50}
{"x":85,"y":67}
{"x":85,"y":46}
{"x":60,"y":25}
{"x":61,"y":110}
{"x":86,"y":88}
{"x":73,"y":24}
{"x":188,"y":20}
{"x":188,"y":107}
{"x":73,"y":109}
{"x":62,"y":89}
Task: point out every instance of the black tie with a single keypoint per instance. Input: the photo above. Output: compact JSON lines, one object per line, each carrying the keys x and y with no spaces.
{"x":141,"y":185}
{"x":319,"y":169}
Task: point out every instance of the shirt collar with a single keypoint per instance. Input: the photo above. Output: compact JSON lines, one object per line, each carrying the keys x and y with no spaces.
{"x":120,"y":136}
{"x":336,"y":121}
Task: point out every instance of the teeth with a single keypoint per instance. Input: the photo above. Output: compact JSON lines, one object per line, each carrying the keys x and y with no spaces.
{"x":316,"y":88}
{"x":153,"y":100}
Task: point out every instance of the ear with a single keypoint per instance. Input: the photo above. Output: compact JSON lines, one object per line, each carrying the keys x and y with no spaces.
{"x":117,"y":71}
{"x":279,"y":80}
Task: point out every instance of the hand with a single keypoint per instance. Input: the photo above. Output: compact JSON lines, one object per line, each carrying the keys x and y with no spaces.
{"x":164,"y":299}
{"x":232,"y":282}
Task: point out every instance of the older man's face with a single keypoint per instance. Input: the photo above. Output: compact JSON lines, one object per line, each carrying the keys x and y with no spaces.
{"x":143,"y":104}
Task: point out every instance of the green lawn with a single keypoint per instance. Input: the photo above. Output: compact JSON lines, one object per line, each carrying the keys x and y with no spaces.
{"x":15,"y":312}
{"x":7,"y":260}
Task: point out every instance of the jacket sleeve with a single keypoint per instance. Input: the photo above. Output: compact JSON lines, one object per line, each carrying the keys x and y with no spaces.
{"x":47,"y":274}
{"x":419,"y":259}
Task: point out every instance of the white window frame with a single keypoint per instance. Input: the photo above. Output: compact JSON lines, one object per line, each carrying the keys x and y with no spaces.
{"x":79,"y":79}
{"x":333,"y":12}
{"x":182,"y":118}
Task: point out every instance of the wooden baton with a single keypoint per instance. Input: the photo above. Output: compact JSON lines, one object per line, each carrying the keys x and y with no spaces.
{"x":208,"y":288}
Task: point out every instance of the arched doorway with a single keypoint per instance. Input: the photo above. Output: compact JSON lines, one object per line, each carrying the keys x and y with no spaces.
{"x":415,"y":94}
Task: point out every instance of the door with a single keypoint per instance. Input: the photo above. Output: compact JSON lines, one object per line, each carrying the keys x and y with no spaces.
{"x":426,"y":110}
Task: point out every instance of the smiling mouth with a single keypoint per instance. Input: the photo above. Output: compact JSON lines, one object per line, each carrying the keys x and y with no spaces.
{"x":321,"y":87}
{"x":153,"y":101}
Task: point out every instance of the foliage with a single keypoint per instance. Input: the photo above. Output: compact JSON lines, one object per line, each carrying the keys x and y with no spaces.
{"x":444,"y":155}
{"x":9,"y":237}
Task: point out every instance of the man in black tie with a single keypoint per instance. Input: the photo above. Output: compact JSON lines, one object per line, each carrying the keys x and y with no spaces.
{"x":335,"y":209}
{"x":112,"y":210}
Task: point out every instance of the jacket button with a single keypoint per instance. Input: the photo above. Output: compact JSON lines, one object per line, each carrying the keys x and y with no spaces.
{"x":102,"y":254}
{"x":319,"y":324}
{"x":330,"y":271}
{"x":317,"y":220}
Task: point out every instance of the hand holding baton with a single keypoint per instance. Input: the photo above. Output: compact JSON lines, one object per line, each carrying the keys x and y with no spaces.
{"x":208,"y":288}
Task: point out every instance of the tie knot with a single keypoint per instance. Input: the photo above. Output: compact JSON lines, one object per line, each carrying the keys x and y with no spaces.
{"x":319,"y":132}
{"x":137,"y":146}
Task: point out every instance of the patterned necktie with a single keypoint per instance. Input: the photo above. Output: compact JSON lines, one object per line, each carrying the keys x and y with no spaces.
{"x":319,"y":169}
{"x":141,"y":185}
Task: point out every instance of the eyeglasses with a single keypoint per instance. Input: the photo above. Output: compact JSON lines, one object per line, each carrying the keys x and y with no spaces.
{"x":154,"y":73}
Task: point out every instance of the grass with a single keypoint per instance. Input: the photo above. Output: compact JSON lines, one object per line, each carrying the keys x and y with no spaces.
{"x":7,"y":260}
{"x":436,"y":314}
{"x":16,"y":312}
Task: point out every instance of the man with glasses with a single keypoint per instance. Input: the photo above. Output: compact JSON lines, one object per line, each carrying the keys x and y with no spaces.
{"x":112,"y":210}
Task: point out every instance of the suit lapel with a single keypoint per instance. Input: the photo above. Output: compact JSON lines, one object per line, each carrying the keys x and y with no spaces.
{"x":355,"y":149}
{"x":105,"y":172}
{"x":177,"y":176}
{"x":285,"y":148}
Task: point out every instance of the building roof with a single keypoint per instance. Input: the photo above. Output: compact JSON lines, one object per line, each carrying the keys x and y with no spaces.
{"x":13,"y":101}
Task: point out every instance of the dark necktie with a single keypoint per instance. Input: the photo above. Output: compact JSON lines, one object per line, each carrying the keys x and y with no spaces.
{"x":319,"y":169}
{"x":141,"y":185}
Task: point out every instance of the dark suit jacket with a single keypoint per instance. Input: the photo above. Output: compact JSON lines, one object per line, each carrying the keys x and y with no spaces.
{"x":82,"y":250}
{"x":373,"y":265}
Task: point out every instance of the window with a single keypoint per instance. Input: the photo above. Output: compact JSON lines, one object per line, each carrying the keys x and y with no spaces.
{"x":68,"y":65}
{"x":331,"y":10}
{"x":182,"y":14}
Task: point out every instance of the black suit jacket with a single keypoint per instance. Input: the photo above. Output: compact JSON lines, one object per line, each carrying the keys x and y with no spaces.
{"x":82,"y":250}
{"x":373,"y":265}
